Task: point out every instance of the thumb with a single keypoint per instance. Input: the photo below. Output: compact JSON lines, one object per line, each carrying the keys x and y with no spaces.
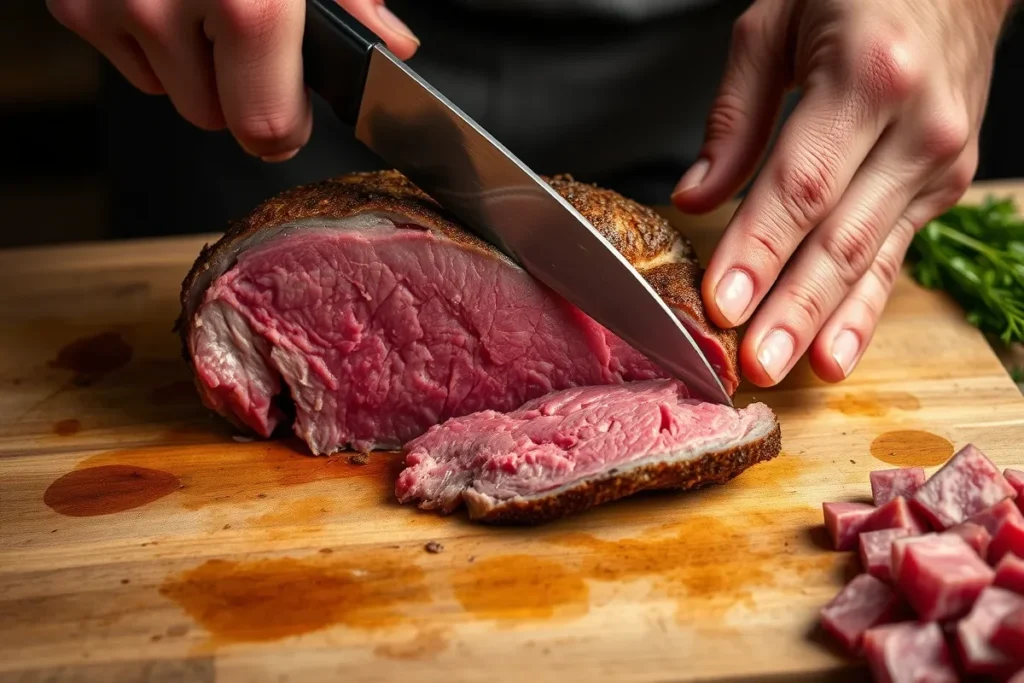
{"x":742,"y":116}
{"x":374,"y":15}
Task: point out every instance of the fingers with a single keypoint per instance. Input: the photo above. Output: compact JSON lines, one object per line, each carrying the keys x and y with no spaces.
{"x":257,"y":54}
{"x":375,"y":15}
{"x":121,"y":49}
{"x":844,"y":338}
{"x":180,"y":56}
{"x":817,"y":153}
{"x":742,"y":116}
{"x":837,"y":254}
{"x":838,"y":348}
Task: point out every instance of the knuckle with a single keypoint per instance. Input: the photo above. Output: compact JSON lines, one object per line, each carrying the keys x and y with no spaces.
{"x":807,"y":305}
{"x":851,"y":250}
{"x":944,"y":136}
{"x":887,"y":268}
{"x":888,"y":70}
{"x":726,"y":116}
{"x":769,"y":244}
{"x":805,"y":189}
{"x":250,"y":18}
{"x":270,"y":132}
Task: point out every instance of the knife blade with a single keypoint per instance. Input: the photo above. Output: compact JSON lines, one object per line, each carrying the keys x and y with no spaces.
{"x":413,"y":127}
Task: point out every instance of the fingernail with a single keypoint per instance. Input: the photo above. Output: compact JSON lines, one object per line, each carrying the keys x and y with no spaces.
{"x":284,"y":156}
{"x":845,"y":348}
{"x":693,"y":177}
{"x":395,"y":24}
{"x":775,"y":353}
{"x":733,"y":295}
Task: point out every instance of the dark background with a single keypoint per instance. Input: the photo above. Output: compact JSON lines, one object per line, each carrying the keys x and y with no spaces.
{"x":59,"y":158}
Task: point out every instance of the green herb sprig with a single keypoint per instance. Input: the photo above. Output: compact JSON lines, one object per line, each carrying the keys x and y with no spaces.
{"x":976,"y":253}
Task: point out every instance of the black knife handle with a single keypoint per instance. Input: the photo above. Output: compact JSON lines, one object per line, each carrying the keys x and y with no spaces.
{"x":336,"y":56}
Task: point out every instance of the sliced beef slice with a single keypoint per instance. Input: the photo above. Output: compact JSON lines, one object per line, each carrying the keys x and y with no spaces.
{"x":380,"y":316}
{"x":580,"y":447}
{"x":965,"y":486}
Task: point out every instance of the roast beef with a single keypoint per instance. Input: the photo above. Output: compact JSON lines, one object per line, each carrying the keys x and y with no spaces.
{"x":579,"y":447}
{"x":360,"y":305}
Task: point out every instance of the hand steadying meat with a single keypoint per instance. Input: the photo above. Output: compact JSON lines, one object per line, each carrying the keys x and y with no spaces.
{"x":233,"y":64}
{"x":884,"y":138}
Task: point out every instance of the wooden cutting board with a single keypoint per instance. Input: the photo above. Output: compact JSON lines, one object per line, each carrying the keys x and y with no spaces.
{"x":140,"y":541}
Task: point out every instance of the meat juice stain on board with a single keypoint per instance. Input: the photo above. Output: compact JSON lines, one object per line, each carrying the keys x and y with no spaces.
{"x":706,"y":565}
{"x":181,"y":391}
{"x":68,"y":427}
{"x":233,"y":472}
{"x":92,"y":357}
{"x":912,"y":448}
{"x":273,"y":598}
{"x":108,"y":489}
{"x":873,"y":403}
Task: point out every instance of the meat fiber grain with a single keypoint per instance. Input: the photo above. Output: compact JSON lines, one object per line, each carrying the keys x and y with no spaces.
{"x":909,"y":653}
{"x":863,"y":603}
{"x":975,"y":632}
{"x":845,"y":521}
{"x":876,"y":551}
{"x":377,"y":316}
{"x":941,"y":577}
{"x":580,"y":447}
{"x":1010,"y":574}
{"x":886,"y":485}
{"x":965,"y":486}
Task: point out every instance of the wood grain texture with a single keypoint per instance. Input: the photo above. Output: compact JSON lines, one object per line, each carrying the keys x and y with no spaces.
{"x":249,"y":561}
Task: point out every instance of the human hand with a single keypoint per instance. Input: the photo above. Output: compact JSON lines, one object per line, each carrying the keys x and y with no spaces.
{"x":884,"y":138}
{"x":234,"y":64}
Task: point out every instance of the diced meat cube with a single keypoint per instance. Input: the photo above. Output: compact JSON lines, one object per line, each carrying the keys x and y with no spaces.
{"x":887,"y":485}
{"x":965,"y":486}
{"x":1009,"y":539}
{"x":899,"y":547}
{"x":992,"y":517}
{"x":876,"y":551}
{"x":844,"y":522}
{"x":1017,"y":677}
{"x":1010,"y":573}
{"x":896,"y":514}
{"x":909,"y":652}
{"x":975,"y":633}
{"x":1015,"y":478}
{"x":1008,"y":635}
{"x":863,"y":603}
{"x":976,"y":536}
{"x":941,"y":577}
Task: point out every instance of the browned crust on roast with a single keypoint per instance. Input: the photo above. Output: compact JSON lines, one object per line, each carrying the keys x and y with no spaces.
{"x":638,"y":232}
{"x":711,"y":468}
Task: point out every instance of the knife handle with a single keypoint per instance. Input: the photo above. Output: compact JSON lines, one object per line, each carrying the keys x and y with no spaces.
{"x":336,"y":56}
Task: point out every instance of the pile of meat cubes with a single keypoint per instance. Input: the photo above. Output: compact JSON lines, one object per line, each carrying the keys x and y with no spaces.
{"x":941,"y":596}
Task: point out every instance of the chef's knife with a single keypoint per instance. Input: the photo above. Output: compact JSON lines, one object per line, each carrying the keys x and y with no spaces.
{"x":413,"y":127}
